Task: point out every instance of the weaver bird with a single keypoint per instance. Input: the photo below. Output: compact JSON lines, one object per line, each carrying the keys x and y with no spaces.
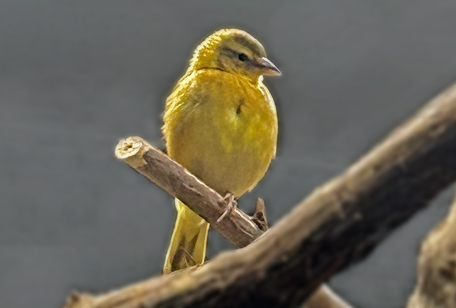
{"x":220,"y":123}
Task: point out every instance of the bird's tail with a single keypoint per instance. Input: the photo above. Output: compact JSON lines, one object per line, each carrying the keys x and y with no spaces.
{"x":188,"y":242}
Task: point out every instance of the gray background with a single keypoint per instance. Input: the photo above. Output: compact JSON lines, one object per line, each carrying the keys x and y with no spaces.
{"x":75,"y":76}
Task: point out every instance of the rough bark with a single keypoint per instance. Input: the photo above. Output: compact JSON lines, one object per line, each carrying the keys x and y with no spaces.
{"x":436,"y":286}
{"x":335,"y":226}
{"x":238,"y":227}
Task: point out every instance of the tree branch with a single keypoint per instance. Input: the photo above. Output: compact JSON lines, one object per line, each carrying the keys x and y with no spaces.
{"x":436,"y":286}
{"x":238,"y":227}
{"x":335,"y":226}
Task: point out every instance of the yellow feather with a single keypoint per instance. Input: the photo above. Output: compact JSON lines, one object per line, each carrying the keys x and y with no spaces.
{"x":220,"y":123}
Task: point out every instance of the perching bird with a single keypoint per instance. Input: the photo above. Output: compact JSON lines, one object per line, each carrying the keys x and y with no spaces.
{"x":220,"y":123}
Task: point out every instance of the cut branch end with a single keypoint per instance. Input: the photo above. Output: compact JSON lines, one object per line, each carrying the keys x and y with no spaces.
{"x":131,"y":151}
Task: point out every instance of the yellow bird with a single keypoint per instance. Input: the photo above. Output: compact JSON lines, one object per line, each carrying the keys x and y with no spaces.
{"x":220,"y":123}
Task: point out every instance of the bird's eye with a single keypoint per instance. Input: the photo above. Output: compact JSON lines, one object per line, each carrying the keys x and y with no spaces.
{"x":243,"y":57}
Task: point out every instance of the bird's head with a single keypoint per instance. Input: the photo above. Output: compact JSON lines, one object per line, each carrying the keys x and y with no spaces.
{"x":234,"y":51}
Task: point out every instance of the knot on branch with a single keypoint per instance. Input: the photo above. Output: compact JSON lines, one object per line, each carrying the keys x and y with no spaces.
{"x":259,"y":216}
{"x":79,"y":300}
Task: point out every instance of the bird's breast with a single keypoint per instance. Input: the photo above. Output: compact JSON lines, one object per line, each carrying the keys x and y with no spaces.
{"x":228,"y":136}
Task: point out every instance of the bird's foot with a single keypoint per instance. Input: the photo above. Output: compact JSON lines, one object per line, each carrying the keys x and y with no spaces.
{"x":231,"y":205}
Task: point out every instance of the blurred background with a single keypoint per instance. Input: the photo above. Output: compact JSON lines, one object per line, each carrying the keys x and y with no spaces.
{"x":76,"y":76}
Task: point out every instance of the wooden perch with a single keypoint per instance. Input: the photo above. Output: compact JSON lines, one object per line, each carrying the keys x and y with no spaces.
{"x":238,"y":227}
{"x":336,"y":225}
{"x":436,"y":286}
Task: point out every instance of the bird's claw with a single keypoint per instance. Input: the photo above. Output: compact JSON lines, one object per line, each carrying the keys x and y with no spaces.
{"x":231,"y":205}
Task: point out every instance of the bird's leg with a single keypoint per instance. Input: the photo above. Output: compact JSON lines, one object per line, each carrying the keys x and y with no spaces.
{"x":232,"y":204}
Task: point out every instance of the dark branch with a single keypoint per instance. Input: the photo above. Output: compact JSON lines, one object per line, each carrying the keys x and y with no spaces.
{"x":336,"y":225}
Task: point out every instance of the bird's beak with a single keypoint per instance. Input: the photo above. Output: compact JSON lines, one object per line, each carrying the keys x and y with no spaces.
{"x":269,"y":69}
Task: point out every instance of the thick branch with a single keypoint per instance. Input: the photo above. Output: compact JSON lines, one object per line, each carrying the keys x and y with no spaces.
{"x":335,"y":226}
{"x":436,"y":286}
